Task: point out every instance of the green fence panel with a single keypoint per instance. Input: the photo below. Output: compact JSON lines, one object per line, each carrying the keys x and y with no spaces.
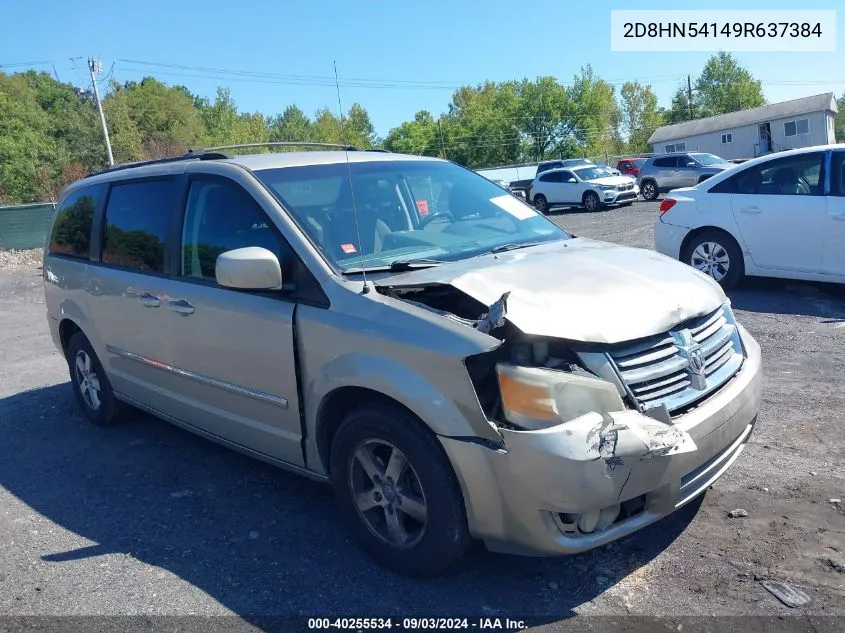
{"x":25,"y":225}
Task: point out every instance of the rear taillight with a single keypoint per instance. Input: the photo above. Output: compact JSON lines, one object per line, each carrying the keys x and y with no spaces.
{"x":667,"y":204}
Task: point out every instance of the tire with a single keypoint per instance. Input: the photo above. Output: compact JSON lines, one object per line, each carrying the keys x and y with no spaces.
{"x":541,"y":204}
{"x":90,"y":383}
{"x":591,"y":201}
{"x":706,"y":249}
{"x":649,"y":190}
{"x":436,"y":530}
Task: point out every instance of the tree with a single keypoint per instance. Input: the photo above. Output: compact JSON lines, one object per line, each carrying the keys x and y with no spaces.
{"x":545,"y":110}
{"x":639,"y":115}
{"x":726,"y":86}
{"x":420,"y":136}
{"x":595,"y":115}
{"x":291,"y":126}
{"x":164,"y":117}
{"x":680,"y":108}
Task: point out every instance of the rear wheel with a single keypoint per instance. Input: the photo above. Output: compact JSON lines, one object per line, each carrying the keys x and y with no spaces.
{"x":716,"y":254}
{"x":591,"y":201}
{"x":90,"y":383}
{"x":541,"y":204}
{"x":396,"y":489}
{"x":649,"y":190}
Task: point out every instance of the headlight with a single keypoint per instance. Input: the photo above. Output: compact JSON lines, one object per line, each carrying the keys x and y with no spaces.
{"x":535,"y":398}
{"x":607,"y":187}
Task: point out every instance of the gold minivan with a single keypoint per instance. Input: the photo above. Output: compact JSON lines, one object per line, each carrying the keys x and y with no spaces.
{"x":453,"y":363}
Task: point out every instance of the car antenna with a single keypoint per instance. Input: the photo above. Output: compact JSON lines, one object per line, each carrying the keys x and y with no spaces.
{"x":366,"y":287}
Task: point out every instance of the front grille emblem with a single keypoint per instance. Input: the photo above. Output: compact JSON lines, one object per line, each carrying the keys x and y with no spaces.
{"x":694,"y":355}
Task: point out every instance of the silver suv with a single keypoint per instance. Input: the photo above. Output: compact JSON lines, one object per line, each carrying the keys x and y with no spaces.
{"x":455,"y":365}
{"x":665,"y":172}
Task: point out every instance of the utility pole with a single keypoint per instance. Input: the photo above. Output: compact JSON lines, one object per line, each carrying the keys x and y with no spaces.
{"x":96,"y":66}
{"x":689,"y":96}
{"x":442,"y":144}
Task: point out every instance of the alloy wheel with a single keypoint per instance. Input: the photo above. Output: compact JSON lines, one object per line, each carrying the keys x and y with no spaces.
{"x":712,"y":259}
{"x":387,"y":494}
{"x":87,"y":380}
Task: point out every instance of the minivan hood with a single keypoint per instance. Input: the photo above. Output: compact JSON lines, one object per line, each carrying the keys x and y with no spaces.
{"x":580,"y":289}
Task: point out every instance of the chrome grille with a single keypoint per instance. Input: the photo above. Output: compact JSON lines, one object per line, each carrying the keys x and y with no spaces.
{"x":625,"y":187}
{"x":682,"y":366}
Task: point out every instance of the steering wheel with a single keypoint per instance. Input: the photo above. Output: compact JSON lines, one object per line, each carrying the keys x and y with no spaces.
{"x":428,"y":219}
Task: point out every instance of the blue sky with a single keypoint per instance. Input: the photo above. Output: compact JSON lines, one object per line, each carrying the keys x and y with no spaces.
{"x":386,"y":45}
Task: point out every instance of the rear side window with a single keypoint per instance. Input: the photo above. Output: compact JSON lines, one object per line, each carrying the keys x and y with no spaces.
{"x":551,"y":177}
{"x":135,"y":227}
{"x":72,"y":229}
{"x":666,"y":161}
{"x":221,"y":216}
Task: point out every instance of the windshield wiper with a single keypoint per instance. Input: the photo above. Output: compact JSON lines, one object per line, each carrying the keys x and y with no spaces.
{"x":501,"y":248}
{"x":396,"y":266}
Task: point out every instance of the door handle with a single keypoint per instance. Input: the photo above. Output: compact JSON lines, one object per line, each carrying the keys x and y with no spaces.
{"x":148,"y":301}
{"x":751,"y":209}
{"x":180,"y":306}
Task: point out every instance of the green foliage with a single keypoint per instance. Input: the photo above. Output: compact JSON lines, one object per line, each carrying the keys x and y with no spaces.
{"x":726,"y":86}
{"x":50,"y":132}
{"x":723,"y":86}
{"x":640,"y":115}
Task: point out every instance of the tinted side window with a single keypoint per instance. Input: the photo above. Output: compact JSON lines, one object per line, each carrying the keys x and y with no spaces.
{"x":666,"y":161}
{"x":797,"y":175}
{"x":624,"y":165}
{"x":72,"y":229}
{"x":136,"y":222}
{"x":837,"y":183}
{"x":221,"y":216}
{"x":565,"y":176}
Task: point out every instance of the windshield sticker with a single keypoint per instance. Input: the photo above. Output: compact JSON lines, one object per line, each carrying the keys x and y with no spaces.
{"x":517,"y":209}
{"x":348,"y":248}
{"x":422,"y":207}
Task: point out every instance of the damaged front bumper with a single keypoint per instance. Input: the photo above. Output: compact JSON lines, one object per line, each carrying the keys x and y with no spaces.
{"x":582,"y":484}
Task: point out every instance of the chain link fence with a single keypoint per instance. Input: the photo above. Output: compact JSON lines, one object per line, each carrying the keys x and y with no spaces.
{"x":25,"y":226}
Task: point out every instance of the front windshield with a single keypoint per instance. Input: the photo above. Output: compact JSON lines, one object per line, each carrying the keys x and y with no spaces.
{"x":709,"y":159}
{"x":591,"y":173}
{"x":406,"y":210}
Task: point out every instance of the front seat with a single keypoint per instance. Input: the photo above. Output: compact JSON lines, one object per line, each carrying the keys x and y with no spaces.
{"x":786,"y":181}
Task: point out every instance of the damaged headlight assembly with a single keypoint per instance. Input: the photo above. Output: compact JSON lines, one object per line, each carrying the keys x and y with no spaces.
{"x":535,"y":398}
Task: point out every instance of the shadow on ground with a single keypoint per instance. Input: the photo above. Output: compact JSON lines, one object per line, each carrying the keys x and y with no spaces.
{"x":776,"y":296}
{"x":260,"y":541}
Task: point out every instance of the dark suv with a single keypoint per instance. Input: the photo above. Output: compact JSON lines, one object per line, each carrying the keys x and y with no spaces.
{"x":665,"y":172}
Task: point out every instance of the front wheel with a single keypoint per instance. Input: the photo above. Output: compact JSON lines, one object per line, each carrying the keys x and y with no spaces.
{"x":649,"y":190}
{"x":396,"y":489}
{"x":541,"y":204}
{"x":591,"y":201}
{"x":717,"y":255}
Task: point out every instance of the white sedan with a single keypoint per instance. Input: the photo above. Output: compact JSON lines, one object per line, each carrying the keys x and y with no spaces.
{"x":588,"y":186}
{"x":780,"y":215}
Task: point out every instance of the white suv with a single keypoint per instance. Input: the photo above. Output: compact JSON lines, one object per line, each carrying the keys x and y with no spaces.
{"x":586,"y":185}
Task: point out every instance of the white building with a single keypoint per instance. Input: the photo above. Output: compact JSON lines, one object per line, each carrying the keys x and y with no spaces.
{"x":754,"y":132}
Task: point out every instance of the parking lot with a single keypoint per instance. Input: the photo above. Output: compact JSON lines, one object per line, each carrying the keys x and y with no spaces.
{"x":147,"y":519}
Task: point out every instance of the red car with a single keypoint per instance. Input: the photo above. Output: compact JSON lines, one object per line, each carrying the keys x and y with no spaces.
{"x":630,"y":166}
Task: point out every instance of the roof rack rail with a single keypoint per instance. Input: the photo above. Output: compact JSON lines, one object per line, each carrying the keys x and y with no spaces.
{"x":349,"y":148}
{"x":201,"y":155}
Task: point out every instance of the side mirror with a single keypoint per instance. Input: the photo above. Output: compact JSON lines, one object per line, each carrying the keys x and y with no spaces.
{"x":250,"y":268}
{"x":692,"y":164}
{"x":572,"y":180}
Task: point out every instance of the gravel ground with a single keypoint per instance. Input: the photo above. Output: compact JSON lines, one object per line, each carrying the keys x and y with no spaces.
{"x":145,"y":519}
